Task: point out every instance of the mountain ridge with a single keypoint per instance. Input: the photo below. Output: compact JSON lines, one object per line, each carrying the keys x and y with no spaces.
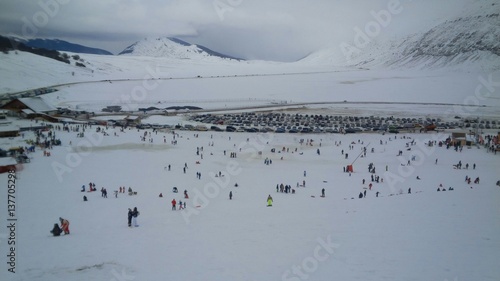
{"x":174,"y":48}
{"x":471,"y":40}
{"x":64,"y":46}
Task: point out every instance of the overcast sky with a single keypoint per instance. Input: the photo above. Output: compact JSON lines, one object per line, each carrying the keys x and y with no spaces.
{"x":282,"y":30}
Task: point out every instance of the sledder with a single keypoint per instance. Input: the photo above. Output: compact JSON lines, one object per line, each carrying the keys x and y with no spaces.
{"x":269,"y":201}
{"x":56,"y":231}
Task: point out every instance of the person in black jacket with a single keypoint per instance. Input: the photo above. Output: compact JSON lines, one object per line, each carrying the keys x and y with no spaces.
{"x":129,"y":217}
{"x":135,"y":213}
{"x":56,"y":231}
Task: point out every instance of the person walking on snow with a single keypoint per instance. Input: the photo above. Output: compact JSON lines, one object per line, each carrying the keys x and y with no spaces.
{"x":173,"y":204}
{"x":230,"y":195}
{"x":129,"y":217}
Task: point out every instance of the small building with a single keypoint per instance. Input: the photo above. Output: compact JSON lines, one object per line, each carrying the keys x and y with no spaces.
{"x":7,"y":164}
{"x":9,"y":131}
{"x":462,"y":139}
{"x":132,"y":120}
{"x":30,"y":108}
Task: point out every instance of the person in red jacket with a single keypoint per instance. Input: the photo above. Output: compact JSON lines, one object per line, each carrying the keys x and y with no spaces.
{"x":173,"y":204}
{"x":64,"y":225}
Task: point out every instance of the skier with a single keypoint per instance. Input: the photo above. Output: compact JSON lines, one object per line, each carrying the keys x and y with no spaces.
{"x":56,"y":231}
{"x":186,"y":194}
{"x":64,"y":225}
{"x":173,"y":204}
{"x":409,"y":190}
{"x":84,"y":198}
{"x":360,"y":195}
{"x":269,"y":201}
{"x":135,"y":214}
{"x":230,"y":195}
{"x":323,"y":192}
{"x":364,"y":193}
{"x":129,"y":217}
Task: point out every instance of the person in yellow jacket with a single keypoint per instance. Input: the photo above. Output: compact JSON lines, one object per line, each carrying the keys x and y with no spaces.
{"x":269,"y":201}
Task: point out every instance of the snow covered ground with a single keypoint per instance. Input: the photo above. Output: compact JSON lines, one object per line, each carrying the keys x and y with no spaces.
{"x":426,"y":235}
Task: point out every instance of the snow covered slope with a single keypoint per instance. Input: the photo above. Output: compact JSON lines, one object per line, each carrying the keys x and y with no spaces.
{"x":469,"y":42}
{"x":172,"y":48}
{"x":61,"y":45}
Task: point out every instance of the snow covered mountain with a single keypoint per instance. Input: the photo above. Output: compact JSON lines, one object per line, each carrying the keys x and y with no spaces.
{"x":173,"y":48}
{"x":470,"y":41}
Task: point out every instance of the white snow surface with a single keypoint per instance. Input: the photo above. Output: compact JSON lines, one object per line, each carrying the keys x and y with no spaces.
{"x":426,"y":235}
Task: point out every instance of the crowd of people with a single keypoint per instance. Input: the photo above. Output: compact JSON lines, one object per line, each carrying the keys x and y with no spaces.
{"x":373,"y":182}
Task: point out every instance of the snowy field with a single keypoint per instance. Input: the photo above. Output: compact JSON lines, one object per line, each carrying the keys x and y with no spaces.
{"x":425,"y":235}
{"x":227,"y":92}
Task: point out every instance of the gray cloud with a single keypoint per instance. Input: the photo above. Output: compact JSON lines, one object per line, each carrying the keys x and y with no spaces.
{"x":256,"y":29}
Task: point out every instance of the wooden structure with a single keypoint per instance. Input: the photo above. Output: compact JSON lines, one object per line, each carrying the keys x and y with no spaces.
{"x":31,"y":108}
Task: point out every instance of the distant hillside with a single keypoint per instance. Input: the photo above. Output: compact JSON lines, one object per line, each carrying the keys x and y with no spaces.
{"x":173,"y":48}
{"x":467,"y":42}
{"x":60,"y":45}
{"x":9,"y":44}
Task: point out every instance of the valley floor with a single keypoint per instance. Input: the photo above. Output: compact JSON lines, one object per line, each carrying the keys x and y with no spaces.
{"x":425,"y":235}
